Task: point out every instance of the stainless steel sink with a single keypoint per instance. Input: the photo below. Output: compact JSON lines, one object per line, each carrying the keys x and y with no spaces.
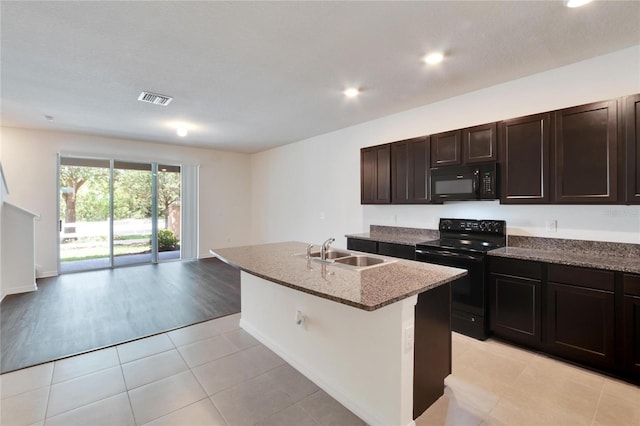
{"x":332,"y":254}
{"x":360,"y":261}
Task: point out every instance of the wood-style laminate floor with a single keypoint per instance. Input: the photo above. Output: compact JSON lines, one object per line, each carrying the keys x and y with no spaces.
{"x":76,"y":313}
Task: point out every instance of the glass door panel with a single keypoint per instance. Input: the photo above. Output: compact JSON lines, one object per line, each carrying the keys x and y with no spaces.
{"x":168,"y":205}
{"x":84,"y":214}
{"x":132,"y":213}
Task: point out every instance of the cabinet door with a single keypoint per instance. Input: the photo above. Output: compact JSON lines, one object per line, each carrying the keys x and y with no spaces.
{"x":375,"y":175}
{"x":524,"y":159}
{"x":632,"y":152}
{"x":514,"y":308}
{"x":479,"y":144}
{"x":586,"y":154}
{"x":446,"y":149}
{"x":409,"y":171}
{"x":580,"y":324}
{"x":631,"y":334}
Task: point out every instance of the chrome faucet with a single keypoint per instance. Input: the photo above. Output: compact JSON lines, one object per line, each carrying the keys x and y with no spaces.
{"x":309,"y":247}
{"x":325,"y":248}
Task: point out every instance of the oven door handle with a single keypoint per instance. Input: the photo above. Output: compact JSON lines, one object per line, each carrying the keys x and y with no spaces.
{"x":446,"y":253}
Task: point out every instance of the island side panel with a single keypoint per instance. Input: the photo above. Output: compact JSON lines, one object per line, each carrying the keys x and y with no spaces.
{"x":432,"y":363}
{"x":358,"y":357}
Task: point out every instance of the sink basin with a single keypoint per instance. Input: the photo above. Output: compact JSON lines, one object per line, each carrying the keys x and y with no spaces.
{"x":332,"y":254}
{"x":360,"y":260}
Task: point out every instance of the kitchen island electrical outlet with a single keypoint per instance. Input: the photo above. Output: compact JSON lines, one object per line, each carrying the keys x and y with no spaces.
{"x":409,"y":337}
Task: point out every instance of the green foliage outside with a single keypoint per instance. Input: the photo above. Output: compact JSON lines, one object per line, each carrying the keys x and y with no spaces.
{"x":167,"y":240}
{"x":85,"y":198}
{"x":87,"y":192}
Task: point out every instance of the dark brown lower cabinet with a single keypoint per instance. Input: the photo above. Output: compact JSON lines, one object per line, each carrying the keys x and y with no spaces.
{"x":367,"y":246}
{"x":397,"y":250}
{"x":515,"y":309}
{"x":631,"y":326}
{"x":581,"y":315}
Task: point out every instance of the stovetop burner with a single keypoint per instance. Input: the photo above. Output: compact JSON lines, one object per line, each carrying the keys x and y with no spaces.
{"x":470,"y":235}
{"x":463,"y":244}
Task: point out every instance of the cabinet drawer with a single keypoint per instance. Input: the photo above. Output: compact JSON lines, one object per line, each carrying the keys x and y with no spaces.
{"x":632,"y":284}
{"x":397,"y":250}
{"x":367,"y":246}
{"x":583,"y":277}
{"x":515,"y":267}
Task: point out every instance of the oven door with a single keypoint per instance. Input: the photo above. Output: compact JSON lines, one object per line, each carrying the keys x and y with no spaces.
{"x":467,"y":293}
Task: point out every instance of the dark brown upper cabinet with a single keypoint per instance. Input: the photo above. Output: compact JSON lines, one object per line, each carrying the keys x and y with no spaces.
{"x":446,"y":149}
{"x":524,"y":159}
{"x":410,"y":171}
{"x":631,"y":111}
{"x":586,"y":154}
{"x":375,"y":174}
{"x":476,"y":144}
{"x":479,"y":144}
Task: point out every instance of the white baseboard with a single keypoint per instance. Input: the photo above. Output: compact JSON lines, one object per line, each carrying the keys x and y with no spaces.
{"x":47,"y":274}
{"x":20,"y":289}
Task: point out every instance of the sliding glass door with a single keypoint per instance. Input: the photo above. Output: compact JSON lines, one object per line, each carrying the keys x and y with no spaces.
{"x":115,"y":213}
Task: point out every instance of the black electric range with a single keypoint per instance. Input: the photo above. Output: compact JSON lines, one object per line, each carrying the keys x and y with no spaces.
{"x":463,"y":244}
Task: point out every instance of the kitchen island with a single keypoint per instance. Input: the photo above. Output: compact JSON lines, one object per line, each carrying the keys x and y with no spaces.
{"x":352,"y":330}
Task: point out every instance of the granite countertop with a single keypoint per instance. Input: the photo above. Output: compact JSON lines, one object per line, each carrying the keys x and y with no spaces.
{"x":397,"y":235}
{"x":368,"y":289}
{"x":621,"y":257}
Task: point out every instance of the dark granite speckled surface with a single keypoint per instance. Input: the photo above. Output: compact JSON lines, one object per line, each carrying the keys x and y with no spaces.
{"x":397,"y":235}
{"x":590,"y":254}
{"x":368,"y":289}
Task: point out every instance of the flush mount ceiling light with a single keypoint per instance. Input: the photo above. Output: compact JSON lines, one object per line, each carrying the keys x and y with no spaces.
{"x":434,"y":58}
{"x":182,"y":131}
{"x":154,"y":98}
{"x":577,"y":3}
{"x":351,"y":92}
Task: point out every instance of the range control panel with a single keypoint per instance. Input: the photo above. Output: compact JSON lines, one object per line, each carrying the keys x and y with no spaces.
{"x":496,"y":227}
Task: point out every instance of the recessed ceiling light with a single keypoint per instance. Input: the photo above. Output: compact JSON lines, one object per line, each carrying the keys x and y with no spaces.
{"x":182,"y":131}
{"x":434,"y":58}
{"x":351,"y":92}
{"x":577,"y":3}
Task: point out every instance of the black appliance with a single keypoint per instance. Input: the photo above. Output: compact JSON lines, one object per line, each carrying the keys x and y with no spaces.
{"x":460,"y":183}
{"x":463,"y":244}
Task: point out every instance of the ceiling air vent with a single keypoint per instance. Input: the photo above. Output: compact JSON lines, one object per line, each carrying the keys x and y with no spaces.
{"x":154,"y":98}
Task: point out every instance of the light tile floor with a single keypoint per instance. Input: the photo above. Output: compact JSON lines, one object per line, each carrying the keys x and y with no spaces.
{"x":214,"y":373}
{"x":497,"y":384}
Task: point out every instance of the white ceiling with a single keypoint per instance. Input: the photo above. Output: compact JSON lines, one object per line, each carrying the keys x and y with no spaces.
{"x":247,"y":76}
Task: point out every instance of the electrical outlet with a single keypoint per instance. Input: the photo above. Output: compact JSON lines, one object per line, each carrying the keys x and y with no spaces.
{"x":551,"y":225}
{"x":409,"y":338}
{"x":321,"y":215}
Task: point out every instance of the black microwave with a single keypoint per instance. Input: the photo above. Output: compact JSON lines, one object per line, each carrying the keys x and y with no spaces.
{"x":459,"y":183}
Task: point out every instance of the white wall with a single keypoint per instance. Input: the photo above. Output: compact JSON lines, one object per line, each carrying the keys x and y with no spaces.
{"x":292,"y":186}
{"x":29,"y":161}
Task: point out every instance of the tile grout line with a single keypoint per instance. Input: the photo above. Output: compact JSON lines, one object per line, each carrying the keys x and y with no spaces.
{"x":46,"y":410}
{"x":126,"y":389}
{"x":595,"y":412}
